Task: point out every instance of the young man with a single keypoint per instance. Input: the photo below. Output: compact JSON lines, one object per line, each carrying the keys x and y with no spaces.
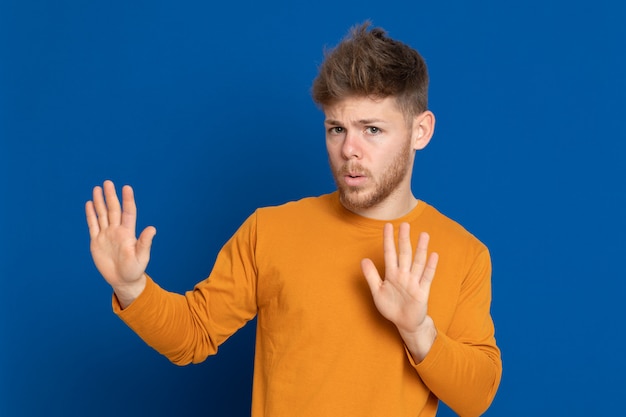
{"x":348,"y":323}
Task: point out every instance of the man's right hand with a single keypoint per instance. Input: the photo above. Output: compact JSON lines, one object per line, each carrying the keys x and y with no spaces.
{"x":120,"y":257}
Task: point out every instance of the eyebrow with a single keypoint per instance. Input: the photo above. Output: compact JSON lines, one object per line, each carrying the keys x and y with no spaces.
{"x":333,"y":122}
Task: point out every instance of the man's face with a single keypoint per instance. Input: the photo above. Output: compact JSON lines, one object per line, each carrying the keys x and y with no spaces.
{"x":369,"y":144}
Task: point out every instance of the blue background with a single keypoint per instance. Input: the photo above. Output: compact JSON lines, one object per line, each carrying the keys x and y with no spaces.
{"x":205,"y":110}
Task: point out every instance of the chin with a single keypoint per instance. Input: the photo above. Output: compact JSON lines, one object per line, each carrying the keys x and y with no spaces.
{"x":357,"y":200}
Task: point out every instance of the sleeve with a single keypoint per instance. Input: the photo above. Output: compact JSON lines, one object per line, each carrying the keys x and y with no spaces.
{"x":464,"y":367}
{"x":188,"y":328}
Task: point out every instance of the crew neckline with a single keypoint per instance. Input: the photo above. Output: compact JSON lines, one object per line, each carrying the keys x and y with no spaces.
{"x":353,"y":218}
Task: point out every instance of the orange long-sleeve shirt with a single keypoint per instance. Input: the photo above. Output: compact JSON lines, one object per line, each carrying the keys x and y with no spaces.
{"x":322,"y":348}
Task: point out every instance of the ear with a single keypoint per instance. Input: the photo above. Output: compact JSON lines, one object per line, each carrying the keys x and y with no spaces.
{"x":423,"y":129}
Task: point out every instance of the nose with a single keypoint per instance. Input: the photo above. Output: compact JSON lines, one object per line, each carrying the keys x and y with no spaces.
{"x":351,"y":149}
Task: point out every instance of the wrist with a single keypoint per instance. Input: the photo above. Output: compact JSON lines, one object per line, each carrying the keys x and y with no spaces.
{"x":420,"y":341}
{"x":128,"y":293}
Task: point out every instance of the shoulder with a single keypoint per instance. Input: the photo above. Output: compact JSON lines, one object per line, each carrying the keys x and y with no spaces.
{"x":296,"y":223}
{"x":445,"y":231}
{"x":298,"y":209}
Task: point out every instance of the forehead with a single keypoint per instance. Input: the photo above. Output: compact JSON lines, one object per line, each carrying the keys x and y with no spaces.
{"x":363,"y":108}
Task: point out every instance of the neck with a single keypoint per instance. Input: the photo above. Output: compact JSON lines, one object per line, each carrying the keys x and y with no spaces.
{"x":390,"y":209}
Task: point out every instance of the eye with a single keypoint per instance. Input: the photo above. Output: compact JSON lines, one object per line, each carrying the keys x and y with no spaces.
{"x":336,"y":130}
{"x":372,"y":130}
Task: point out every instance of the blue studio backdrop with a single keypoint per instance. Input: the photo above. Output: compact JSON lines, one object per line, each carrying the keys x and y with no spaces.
{"x":205,"y":109}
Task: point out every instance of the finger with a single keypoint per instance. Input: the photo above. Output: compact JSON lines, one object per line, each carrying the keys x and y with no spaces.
{"x":421,"y":253}
{"x":113,"y":204}
{"x":144,"y":243}
{"x":92,"y":220}
{"x":405,"y":250}
{"x":389,"y":249}
{"x":100,"y":207}
{"x":371,"y":274}
{"x":429,"y":272}
{"x":129,"y":208}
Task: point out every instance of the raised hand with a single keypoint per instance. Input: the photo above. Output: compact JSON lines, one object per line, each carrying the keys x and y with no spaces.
{"x":402,"y":295}
{"x":120,"y":257}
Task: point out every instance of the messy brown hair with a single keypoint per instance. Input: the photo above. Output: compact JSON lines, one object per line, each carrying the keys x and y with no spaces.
{"x":368,"y":63}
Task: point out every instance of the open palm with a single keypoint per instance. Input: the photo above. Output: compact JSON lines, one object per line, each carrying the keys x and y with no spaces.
{"x":402,"y":295}
{"x":120,"y":257}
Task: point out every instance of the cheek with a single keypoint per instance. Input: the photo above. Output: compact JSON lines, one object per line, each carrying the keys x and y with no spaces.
{"x":334,"y":162}
{"x":333,"y":151}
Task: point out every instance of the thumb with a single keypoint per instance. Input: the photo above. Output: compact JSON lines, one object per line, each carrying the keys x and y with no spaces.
{"x":144,"y":243}
{"x":371,"y":274}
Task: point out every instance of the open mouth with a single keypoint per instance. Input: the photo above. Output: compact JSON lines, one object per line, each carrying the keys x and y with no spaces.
{"x":354,"y":180}
{"x":353,"y":175}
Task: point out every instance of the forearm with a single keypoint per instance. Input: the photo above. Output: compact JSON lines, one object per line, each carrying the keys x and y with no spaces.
{"x":164,"y":321}
{"x":464,"y":376}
